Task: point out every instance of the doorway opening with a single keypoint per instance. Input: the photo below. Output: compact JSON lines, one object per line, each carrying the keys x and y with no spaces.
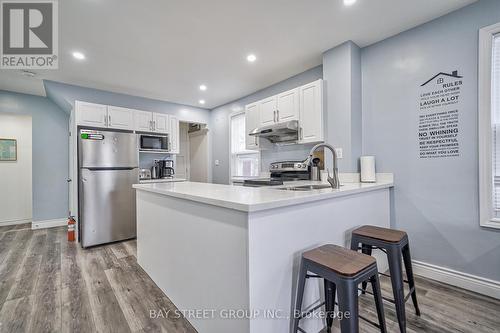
{"x":192,"y":161}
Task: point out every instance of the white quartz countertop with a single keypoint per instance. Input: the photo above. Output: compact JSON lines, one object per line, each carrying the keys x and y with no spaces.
{"x":251,"y":199}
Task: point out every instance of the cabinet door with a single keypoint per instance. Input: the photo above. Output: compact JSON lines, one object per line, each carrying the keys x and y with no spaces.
{"x":143,"y":121}
{"x":288,"y":106}
{"x":311,"y":112}
{"x":90,"y":114}
{"x":161,"y":123}
{"x":174,"y":134}
{"x":251,"y":122}
{"x":120,"y":118}
{"x":267,"y":111}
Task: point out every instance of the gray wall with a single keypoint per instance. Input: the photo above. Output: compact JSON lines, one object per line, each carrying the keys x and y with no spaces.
{"x":435,"y":200}
{"x":342,"y":75}
{"x":50,"y":152}
{"x":220,"y":126}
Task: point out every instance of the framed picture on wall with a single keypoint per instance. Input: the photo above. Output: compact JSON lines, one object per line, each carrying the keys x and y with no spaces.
{"x":8,"y":150}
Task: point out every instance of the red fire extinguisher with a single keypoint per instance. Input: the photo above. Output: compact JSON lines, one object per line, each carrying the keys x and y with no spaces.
{"x":71,"y":229}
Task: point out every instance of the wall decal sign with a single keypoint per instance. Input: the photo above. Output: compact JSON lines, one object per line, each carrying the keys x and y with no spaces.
{"x":439,"y":116}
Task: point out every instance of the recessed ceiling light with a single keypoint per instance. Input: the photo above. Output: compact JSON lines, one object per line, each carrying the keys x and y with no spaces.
{"x":201,"y":101}
{"x":79,"y":55}
{"x":203,"y":87}
{"x":251,"y":58}
{"x":349,"y":2}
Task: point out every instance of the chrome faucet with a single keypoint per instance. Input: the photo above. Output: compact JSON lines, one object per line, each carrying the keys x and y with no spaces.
{"x":334,"y":179}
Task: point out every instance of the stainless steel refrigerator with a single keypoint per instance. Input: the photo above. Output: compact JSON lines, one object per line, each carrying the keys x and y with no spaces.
{"x":108,"y":167}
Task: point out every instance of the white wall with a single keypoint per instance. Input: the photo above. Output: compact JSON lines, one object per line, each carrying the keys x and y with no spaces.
{"x":15,"y":177}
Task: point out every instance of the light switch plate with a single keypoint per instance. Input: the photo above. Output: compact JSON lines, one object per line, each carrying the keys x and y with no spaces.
{"x":340,"y":153}
{"x":217,"y":162}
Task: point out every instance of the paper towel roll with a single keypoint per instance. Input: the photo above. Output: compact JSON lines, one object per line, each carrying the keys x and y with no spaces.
{"x":368,"y":169}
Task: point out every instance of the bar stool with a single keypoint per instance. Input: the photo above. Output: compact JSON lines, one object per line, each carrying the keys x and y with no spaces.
{"x":395,"y":244}
{"x":342,"y":270}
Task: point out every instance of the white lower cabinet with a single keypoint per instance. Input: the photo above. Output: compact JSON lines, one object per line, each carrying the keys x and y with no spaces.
{"x":120,"y":118}
{"x":311,"y":112}
{"x":174,"y":134}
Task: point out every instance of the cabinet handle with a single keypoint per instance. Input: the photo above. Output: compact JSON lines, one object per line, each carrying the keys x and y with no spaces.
{"x":109,"y":120}
{"x":277,"y":116}
{"x":255,"y":139}
{"x":301,"y":135}
{"x":274,"y":116}
{"x":151,"y":125}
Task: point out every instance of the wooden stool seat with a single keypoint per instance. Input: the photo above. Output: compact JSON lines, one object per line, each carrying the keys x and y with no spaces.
{"x":340,"y":260}
{"x":342,"y":270}
{"x":383,"y":234}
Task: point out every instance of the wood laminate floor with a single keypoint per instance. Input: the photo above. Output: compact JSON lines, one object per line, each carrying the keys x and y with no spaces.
{"x":50,"y":285}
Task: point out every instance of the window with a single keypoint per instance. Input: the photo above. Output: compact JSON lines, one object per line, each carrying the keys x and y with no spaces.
{"x":244,"y":163}
{"x":489,"y":126}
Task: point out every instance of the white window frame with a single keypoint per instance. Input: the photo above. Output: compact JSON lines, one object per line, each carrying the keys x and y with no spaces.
{"x":231,"y":177}
{"x":486,"y":216}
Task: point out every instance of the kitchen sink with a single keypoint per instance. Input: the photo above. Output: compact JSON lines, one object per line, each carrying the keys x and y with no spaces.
{"x":305,"y":187}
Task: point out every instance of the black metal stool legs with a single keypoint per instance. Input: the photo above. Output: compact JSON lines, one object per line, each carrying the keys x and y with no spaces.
{"x":329,"y":304}
{"x":348,"y":305}
{"x":396,"y":269}
{"x":366,"y":249}
{"x":411,"y":279}
{"x":377,"y":294}
{"x":300,"y":295}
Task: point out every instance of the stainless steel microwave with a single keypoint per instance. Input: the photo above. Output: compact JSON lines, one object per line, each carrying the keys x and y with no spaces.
{"x":154,"y":142}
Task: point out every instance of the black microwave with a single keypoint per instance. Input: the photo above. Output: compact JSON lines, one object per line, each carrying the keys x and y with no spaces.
{"x":152,"y":142}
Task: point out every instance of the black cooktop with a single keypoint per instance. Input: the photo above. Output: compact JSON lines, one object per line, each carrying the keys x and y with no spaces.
{"x":262,"y":182}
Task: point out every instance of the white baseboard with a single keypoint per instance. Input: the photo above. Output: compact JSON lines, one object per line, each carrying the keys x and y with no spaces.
{"x":14,"y":222}
{"x":49,"y":223}
{"x":455,"y":278}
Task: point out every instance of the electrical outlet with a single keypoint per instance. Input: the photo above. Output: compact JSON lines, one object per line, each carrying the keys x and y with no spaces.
{"x":217,"y":162}
{"x":340,"y":153}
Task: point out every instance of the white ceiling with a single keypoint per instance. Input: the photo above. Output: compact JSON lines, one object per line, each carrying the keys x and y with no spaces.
{"x":164,"y":49}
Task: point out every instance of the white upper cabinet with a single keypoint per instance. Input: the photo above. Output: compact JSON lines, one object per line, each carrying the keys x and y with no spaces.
{"x":161,"y":122}
{"x":120,"y":118}
{"x":304,"y":104}
{"x":90,"y":114}
{"x":143,"y":121}
{"x":174,"y":134}
{"x":311,"y":112}
{"x":267,"y":110}
{"x":252,"y":121}
{"x":104,"y":116}
{"x":288,"y":106}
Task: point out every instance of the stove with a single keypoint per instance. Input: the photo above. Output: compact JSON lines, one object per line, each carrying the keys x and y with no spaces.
{"x":281,"y":172}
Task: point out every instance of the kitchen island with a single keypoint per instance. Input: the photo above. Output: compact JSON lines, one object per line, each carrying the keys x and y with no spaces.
{"x":227,"y":256}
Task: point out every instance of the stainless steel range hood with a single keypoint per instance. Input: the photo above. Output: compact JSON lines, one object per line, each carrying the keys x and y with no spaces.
{"x":282,"y":132}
